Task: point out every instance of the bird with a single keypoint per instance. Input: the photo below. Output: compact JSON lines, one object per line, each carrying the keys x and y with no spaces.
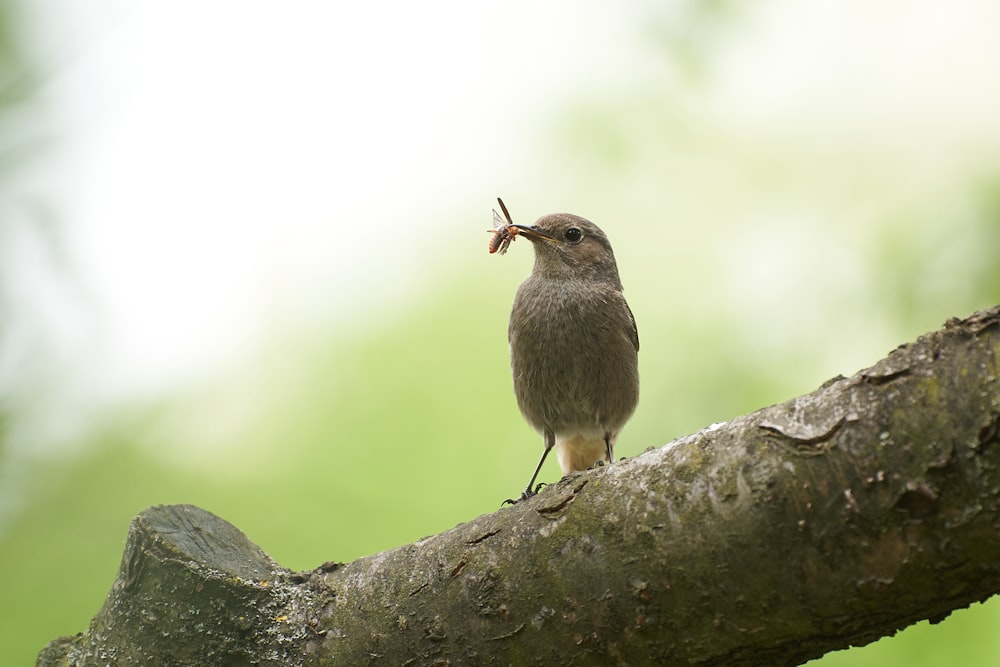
{"x":574,"y":344}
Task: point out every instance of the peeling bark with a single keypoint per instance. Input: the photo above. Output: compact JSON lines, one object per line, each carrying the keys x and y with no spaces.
{"x":827,"y":521}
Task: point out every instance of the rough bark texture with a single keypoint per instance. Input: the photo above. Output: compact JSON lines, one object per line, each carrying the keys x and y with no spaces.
{"x":830,"y":520}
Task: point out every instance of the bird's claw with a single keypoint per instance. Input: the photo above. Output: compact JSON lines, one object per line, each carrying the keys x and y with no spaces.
{"x":527,"y":493}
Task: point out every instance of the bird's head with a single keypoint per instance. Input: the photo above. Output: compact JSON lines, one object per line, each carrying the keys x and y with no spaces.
{"x":568,"y":246}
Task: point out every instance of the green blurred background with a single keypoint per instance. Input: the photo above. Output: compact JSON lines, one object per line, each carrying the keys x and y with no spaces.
{"x":243,"y":262}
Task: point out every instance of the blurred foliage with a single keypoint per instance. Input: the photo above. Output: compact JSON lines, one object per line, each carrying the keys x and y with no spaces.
{"x":756,"y":269}
{"x":966,"y":637}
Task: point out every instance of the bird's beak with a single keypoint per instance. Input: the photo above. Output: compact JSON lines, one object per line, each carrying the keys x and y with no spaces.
{"x":533,"y":233}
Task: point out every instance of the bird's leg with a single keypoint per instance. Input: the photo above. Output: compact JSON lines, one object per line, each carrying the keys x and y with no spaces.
{"x":550,"y":441}
{"x":607,"y":443}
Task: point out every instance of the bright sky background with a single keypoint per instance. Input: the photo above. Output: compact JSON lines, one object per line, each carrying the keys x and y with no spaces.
{"x":229,"y":153}
{"x":223,"y":158}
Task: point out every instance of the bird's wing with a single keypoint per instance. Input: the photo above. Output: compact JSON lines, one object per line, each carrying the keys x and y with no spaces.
{"x":634,"y":331}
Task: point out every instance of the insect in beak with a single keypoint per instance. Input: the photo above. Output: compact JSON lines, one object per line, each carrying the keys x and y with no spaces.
{"x":503,"y":230}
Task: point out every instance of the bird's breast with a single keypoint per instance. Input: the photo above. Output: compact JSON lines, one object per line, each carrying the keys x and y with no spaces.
{"x":573,"y":361}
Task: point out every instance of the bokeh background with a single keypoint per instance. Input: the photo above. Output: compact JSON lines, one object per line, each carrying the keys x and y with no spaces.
{"x":243,"y":261}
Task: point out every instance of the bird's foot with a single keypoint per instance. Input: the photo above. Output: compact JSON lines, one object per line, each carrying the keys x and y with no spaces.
{"x":527,"y":493}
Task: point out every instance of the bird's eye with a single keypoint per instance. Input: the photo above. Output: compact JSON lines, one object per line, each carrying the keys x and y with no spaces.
{"x":573,"y":235}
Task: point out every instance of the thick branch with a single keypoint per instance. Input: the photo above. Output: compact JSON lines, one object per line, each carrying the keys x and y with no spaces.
{"x":830,"y":520}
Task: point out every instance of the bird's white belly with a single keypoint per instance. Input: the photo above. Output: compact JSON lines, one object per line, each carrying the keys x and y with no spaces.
{"x":579,"y":451}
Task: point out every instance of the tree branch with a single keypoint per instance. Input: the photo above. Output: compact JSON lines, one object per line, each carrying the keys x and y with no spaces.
{"x":830,"y":520}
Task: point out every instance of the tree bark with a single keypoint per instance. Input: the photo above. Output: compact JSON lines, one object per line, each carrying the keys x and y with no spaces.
{"x":830,"y":520}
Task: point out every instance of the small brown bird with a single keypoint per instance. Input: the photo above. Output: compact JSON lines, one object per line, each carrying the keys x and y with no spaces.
{"x":573,"y":344}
